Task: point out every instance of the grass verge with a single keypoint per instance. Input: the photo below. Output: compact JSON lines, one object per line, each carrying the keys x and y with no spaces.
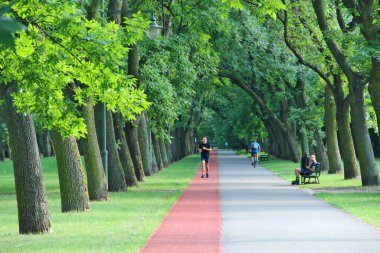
{"x":365,"y":206}
{"x":122,"y":224}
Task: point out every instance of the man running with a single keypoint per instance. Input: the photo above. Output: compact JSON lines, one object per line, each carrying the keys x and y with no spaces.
{"x":255,"y":149}
{"x":205,"y":149}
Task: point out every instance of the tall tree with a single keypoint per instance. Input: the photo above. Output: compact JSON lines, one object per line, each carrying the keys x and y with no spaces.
{"x":124,"y":154}
{"x":368,"y":167}
{"x":116,"y":176}
{"x":74,"y":195}
{"x":96,"y":180}
{"x":336,"y":85}
{"x":144,"y":145}
{"x":32,"y":203}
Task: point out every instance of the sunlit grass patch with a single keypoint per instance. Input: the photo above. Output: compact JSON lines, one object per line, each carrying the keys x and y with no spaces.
{"x":365,"y":206}
{"x":122,"y":224}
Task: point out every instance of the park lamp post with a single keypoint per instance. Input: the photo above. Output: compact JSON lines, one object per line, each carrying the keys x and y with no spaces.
{"x":154,"y":29}
{"x":152,"y":32}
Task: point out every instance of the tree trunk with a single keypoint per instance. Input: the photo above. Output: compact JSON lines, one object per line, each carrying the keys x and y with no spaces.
{"x":144,"y":145}
{"x":46,"y":143}
{"x":1,"y":150}
{"x":304,"y":142}
{"x":292,"y":144}
{"x":39,"y":136}
{"x":124,"y":154}
{"x":134,"y":148}
{"x":188,"y":146}
{"x":154,"y":160}
{"x":116,"y":176}
{"x":178,"y":143}
{"x":374,"y":89}
{"x":32,"y":203}
{"x":169,"y":152}
{"x":7,"y":150}
{"x":164,"y":155}
{"x":363,"y":143}
{"x":347,"y":148}
{"x":320,"y":151}
{"x":74,"y":196}
{"x":182,"y":138}
{"x":368,"y":166}
{"x":335,"y":162}
{"x":96,"y":180}
{"x":273,"y":139}
{"x":173,"y":146}
{"x":157,"y":151}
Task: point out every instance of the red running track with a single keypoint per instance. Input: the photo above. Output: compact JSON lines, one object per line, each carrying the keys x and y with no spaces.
{"x":194,"y":223}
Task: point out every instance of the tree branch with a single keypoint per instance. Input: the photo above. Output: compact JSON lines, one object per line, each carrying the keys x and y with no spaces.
{"x":298,"y":55}
{"x":264,"y":106}
{"x":319,"y":9}
{"x":342,"y":24}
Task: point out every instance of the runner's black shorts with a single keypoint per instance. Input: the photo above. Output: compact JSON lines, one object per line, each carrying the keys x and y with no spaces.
{"x":205,"y":158}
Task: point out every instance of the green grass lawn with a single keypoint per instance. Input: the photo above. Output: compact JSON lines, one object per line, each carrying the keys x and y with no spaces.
{"x":365,"y":206}
{"x":122,"y":224}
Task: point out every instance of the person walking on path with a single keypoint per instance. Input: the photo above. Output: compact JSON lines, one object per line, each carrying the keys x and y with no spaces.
{"x":307,"y":168}
{"x":255,"y":149}
{"x":205,"y":149}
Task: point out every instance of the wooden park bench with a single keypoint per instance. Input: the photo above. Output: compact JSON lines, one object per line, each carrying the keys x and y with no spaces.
{"x":314,"y":175}
{"x":264,"y":157}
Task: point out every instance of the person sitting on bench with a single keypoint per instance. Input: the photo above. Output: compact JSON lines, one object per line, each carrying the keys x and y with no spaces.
{"x":307,"y":168}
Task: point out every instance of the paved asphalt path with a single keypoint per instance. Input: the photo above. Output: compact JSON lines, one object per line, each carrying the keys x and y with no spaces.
{"x":262,"y":213}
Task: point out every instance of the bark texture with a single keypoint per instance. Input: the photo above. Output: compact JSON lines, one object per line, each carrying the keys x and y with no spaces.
{"x":32,"y":203}
{"x":124,"y":154}
{"x":74,"y":196}
{"x":96,"y":180}
{"x":157,"y":152}
{"x":116,"y":176}
{"x":134,"y":148}
{"x":335,"y":162}
{"x":144,"y":145}
{"x":164,"y":155}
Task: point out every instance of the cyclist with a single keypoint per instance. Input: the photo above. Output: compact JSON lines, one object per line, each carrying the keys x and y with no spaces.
{"x":255,"y":149}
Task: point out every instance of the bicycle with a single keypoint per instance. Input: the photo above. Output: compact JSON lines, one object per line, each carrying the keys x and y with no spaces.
{"x":254,"y":160}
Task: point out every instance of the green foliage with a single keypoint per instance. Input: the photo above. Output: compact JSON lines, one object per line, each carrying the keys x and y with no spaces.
{"x":236,"y":4}
{"x":7,"y":26}
{"x":174,"y":74}
{"x":63,"y":58}
{"x":236,"y":124}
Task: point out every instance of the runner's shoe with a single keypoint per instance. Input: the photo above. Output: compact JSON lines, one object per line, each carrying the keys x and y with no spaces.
{"x":203,"y":176}
{"x":206,"y":175}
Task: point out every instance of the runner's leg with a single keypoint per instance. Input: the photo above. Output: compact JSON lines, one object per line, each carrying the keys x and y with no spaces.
{"x":207,"y":167}
{"x":203,"y":167}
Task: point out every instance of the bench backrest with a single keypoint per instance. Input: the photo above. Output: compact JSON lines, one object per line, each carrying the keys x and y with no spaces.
{"x":318,"y":168}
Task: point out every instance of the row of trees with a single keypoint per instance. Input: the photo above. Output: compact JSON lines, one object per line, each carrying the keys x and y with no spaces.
{"x":311,"y":66}
{"x":288,"y":72}
{"x":72,"y":57}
